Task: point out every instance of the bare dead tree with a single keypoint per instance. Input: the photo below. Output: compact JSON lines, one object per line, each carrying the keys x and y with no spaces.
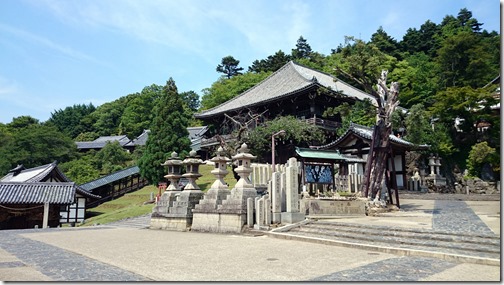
{"x":380,"y":149}
{"x":387,"y":101}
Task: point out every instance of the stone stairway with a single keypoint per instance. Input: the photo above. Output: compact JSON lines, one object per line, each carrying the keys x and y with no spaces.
{"x":140,"y":222}
{"x":474,"y":247}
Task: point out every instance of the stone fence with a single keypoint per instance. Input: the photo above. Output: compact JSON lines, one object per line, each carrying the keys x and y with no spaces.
{"x":262,"y":175}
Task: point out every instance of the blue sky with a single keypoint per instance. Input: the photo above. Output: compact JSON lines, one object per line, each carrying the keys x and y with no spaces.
{"x":55,"y":54}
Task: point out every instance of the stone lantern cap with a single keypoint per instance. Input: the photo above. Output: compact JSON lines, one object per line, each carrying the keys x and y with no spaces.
{"x":243,"y":153}
{"x":193,"y":159}
{"x":220,"y":157}
{"x":174,"y":160}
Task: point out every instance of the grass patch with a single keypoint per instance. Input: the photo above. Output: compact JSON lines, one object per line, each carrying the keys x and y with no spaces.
{"x":127,"y":206}
{"x":205,"y":181}
{"x":132,"y":204}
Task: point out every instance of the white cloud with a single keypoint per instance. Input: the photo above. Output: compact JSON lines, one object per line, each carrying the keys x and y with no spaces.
{"x":199,"y":27}
{"x":47,"y":43}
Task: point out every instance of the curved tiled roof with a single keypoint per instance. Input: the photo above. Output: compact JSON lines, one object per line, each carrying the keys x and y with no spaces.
{"x":35,"y":174}
{"x":367,"y":134}
{"x":288,"y":80}
{"x":326,"y":154}
{"x":26,"y":180}
{"x":37,"y":192}
{"x":102,"y":142}
{"x":140,"y":140}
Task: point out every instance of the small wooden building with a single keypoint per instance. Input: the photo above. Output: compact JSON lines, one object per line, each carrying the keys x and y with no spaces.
{"x":25,"y":192}
{"x":356,"y":142}
{"x":115,"y":184}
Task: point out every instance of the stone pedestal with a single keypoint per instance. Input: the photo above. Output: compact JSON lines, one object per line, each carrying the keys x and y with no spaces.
{"x":205,"y":215}
{"x":179,"y":216}
{"x":233,"y":211}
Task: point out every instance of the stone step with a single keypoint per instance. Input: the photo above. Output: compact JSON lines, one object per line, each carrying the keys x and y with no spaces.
{"x":139,"y":222}
{"x":477,"y":245}
{"x":442,"y":236}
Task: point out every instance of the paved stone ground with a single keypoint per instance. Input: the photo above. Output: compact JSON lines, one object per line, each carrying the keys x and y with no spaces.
{"x":409,"y":269}
{"x":457,"y":216}
{"x":405,"y":194}
{"x":56,"y":263}
{"x":124,"y":253}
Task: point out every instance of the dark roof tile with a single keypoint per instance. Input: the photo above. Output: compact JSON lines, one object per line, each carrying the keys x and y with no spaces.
{"x":288,"y":80}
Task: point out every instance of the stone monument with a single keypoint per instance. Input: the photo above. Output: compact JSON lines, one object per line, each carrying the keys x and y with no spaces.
{"x":292,"y":214}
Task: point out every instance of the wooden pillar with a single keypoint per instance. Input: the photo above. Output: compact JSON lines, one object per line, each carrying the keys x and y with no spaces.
{"x":394,"y":176}
{"x":45,"y":221}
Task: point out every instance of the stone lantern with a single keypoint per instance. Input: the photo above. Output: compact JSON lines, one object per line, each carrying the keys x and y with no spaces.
{"x":206,"y":210}
{"x":438,"y":165}
{"x":432,"y":163}
{"x":243,"y":170}
{"x":192,"y":163}
{"x":166,"y":200}
{"x":179,"y":214}
{"x":220,"y":170}
{"x":174,"y":165}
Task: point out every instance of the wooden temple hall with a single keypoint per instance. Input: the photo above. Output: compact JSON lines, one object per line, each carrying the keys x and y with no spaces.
{"x":306,"y":93}
{"x":293,"y":90}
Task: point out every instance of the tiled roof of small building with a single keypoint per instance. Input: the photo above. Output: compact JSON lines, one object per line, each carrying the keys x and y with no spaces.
{"x":35,"y":174}
{"x":366,"y":133}
{"x":327,"y":154}
{"x":140,"y":140}
{"x":37,"y":192}
{"x":102,"y":141}
{"x":89,"y":186}
{"x":288,"y":80}
{"x":30,"y":176}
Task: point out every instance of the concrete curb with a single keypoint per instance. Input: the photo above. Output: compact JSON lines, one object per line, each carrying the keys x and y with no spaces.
{"x":384,"y":249}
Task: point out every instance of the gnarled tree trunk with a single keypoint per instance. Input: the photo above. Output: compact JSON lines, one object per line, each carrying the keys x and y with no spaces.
{"x":376,"y":165}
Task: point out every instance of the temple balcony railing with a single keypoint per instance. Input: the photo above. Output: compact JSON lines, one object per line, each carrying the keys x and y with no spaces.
{"x":323,"y":123}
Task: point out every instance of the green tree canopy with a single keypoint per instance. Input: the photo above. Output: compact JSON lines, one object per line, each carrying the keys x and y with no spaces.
{"x":480,"y":154}
{"x":34,"y":145}
{"x":168,"y":133}
{"x":271,"y":64}
{"x":362,"y":113}
{"x":384,"y":42}
{"x":71,"y":119}
{"x":297,"y":133}
{"x":82,"y":170}
{"x":112,"y":157}
{"x":302,"y":50}
{"x":225,"y":89}
{"x":229,"y":66}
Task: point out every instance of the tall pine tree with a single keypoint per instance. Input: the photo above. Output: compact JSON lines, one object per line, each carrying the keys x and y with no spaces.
{"x":168,"y":133}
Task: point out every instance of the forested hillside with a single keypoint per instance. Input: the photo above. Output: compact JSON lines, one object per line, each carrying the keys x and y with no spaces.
{"x":444,"y":70}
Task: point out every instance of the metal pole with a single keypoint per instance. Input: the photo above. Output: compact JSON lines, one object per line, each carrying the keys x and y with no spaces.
{"x":281,"y":132}
{"x":273,"y":152}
